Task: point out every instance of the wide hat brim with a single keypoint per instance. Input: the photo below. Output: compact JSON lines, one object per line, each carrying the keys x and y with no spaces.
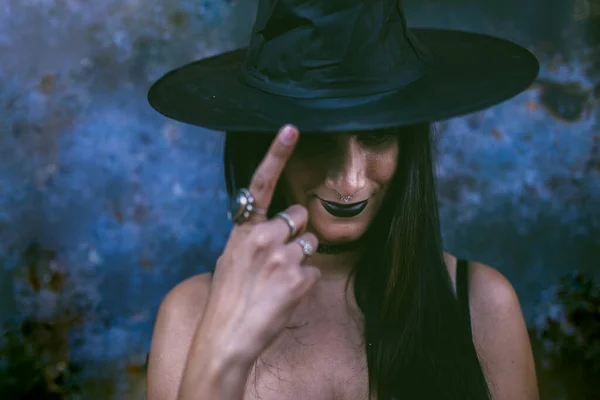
{"x":471,"y":72}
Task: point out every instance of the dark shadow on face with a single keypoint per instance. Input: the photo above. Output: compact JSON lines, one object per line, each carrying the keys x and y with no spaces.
{"x":345,"y":169}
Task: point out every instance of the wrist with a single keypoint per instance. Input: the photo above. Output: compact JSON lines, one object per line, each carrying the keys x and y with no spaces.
{"x":224,"y":342}
{"x":229,"y":355}
{"x":215,"y":373}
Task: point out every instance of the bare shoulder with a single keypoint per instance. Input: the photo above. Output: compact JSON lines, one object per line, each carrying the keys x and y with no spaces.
{"x":491,"y":295}
{"x":183,"y":305}
{"x":178,"y":316}
{"x":500,"y":334}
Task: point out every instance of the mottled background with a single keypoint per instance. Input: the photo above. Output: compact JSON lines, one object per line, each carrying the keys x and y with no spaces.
{"x":105,"y":205}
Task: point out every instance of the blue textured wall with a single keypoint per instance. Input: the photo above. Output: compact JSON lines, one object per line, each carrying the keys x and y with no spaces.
{"x":123,"y":203}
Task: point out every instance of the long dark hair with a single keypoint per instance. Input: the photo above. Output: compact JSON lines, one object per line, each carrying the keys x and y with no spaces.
{"x":417,"y":339}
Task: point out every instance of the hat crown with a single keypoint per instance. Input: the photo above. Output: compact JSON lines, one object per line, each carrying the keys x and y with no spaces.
{"x":332,"y":48}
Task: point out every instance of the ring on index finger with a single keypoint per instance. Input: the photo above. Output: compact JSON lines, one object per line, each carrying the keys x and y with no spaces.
{"x":241,"y":206}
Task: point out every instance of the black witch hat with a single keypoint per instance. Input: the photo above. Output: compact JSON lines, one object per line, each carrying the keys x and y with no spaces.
{"x":343,"y":65}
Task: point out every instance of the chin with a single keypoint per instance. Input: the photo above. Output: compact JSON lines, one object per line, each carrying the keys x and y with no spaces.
{"x":332,"y":230}
{"x":327,"y":235}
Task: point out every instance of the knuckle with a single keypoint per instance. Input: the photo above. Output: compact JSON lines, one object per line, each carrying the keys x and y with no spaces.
{"x":295,"y":278}
{"x":300,"y":211}
{"x":279,"y":151}
{"x":238,"y":233}
{"x":278,"y":258}
{"x":259,"y":238}
{"x":263,"y":182}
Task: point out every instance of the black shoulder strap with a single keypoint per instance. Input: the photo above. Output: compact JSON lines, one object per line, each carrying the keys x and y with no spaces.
{"x":462,"y":288}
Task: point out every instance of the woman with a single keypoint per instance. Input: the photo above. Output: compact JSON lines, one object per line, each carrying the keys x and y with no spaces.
{"x":333,"y":283}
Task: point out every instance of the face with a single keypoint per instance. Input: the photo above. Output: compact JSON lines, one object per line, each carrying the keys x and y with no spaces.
{"x":342,"y":180}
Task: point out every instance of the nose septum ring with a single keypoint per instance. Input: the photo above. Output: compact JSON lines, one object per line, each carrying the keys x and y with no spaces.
{"x":345,"y":199}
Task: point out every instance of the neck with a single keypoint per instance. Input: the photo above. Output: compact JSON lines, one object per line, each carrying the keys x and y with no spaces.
{"x":330,"y":299}
{"x":335,"y":262}
{"x":346,"y":247}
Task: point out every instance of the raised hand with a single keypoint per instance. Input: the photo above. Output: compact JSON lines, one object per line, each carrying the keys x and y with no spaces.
{"x":260,"y":278}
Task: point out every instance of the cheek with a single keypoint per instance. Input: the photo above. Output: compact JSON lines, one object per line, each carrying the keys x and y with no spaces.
{"x":298,"y":177}
{"x":382,"y":166}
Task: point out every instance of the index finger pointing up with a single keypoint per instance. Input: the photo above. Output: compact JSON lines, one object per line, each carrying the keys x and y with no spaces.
{"x":268,"y":172}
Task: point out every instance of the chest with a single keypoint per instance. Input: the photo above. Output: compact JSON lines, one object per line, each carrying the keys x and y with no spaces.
{"x":324,"y":363}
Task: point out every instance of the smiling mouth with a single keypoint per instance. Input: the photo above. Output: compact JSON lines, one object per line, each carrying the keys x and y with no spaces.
{"x":344,"y":210}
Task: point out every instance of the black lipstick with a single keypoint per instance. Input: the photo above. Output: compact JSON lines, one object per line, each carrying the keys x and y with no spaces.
{"x":344,"y":210}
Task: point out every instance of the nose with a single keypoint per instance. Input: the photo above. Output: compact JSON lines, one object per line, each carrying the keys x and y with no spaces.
{"x":347,"y":174}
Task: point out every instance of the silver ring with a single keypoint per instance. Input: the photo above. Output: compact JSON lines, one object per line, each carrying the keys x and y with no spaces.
{"x":241,"y":206}
{"x":307,"y":249}
{"x":286,"y":217}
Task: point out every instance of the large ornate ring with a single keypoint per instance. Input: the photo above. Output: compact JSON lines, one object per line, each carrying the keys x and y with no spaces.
{"x":307,"y":249}
{"x":241,"y":206}
{"x":289,"y":221}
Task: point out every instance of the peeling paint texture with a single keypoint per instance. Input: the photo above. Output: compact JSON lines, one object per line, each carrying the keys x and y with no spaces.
{"x":124,"y":203}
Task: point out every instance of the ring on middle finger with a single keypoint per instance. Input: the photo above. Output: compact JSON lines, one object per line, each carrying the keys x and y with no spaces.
{"x":289,"y":221}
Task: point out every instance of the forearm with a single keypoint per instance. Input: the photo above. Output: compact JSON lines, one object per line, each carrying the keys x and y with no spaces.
{"x":214,"y":373}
